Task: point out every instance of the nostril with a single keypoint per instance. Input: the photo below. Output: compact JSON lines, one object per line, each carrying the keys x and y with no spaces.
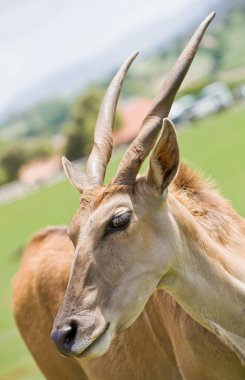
{"x":71,"y":334}
{"x":65,"y":337}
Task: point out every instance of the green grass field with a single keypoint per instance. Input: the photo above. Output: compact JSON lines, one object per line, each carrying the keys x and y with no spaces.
{"x":215,"y":145}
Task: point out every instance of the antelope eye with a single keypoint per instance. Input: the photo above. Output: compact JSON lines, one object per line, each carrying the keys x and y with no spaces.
{"x":119,"y":222}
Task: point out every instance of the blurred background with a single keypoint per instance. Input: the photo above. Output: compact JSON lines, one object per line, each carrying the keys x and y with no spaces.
{"x":56,"y":60}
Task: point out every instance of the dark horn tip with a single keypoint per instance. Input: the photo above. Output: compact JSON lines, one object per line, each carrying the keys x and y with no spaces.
{"x":134,"y":54}
{"x":210,"y":16}
{"x":129,"y":60}
{"x":205,"y":23}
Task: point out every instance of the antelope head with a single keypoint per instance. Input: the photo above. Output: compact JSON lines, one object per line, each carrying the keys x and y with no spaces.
{"x":124,"y":238}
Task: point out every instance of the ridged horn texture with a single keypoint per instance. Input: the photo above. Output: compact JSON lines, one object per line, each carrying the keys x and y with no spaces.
{"x":152,"y":124}
{"x":103,"y":142}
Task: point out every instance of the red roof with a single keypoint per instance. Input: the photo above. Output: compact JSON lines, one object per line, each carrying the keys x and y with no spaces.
{"x":132,"y":114}
{"x":39,"y":170}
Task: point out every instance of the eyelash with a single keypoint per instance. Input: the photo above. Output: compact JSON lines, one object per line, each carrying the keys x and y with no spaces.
{"x":122,"y":220}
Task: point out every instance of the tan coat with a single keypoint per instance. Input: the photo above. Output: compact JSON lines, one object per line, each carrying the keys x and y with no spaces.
{"x":143,"y":246}
{"x":164,"y":342}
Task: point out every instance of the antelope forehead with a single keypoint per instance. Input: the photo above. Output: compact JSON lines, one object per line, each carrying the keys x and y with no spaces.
{"x":92,"y":198}
{"x":106,"y":209}
{"x":98,"y":209}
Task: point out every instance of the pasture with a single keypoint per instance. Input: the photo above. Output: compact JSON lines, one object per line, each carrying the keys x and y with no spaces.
{"x":215,"y":145}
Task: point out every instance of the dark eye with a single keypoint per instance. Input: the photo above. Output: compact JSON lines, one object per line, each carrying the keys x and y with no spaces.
{"x":119,"y":222}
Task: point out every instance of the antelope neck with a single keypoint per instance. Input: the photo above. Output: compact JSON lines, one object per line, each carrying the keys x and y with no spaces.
{"x":206,"y":281}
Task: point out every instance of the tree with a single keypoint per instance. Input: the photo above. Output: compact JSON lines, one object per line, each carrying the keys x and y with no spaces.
{"x":16,"y":155}
{"x":80,"y":128}
{"x":11,"y":161}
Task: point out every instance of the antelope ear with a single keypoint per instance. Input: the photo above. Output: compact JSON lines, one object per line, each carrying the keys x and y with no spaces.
{"x":164,"y":160}
{"x":77,"y":178}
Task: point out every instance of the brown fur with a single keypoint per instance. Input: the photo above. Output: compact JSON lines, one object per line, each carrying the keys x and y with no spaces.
{"x":164,"y":343}
{"x":181,"y":348}
{"x":206,"y":205}
{"x":94,"y":197}
{"x":196,"y":194}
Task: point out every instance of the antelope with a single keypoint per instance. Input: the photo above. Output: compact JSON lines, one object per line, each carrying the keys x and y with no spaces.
{"x":147,"y":281}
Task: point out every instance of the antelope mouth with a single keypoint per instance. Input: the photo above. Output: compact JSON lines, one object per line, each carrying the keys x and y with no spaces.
{"x":98,"y":346}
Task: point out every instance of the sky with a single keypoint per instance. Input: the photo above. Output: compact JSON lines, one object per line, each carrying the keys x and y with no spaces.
{"x":40,"y":37}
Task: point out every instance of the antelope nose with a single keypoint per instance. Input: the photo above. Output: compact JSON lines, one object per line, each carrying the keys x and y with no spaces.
{"x":64,"y":338}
